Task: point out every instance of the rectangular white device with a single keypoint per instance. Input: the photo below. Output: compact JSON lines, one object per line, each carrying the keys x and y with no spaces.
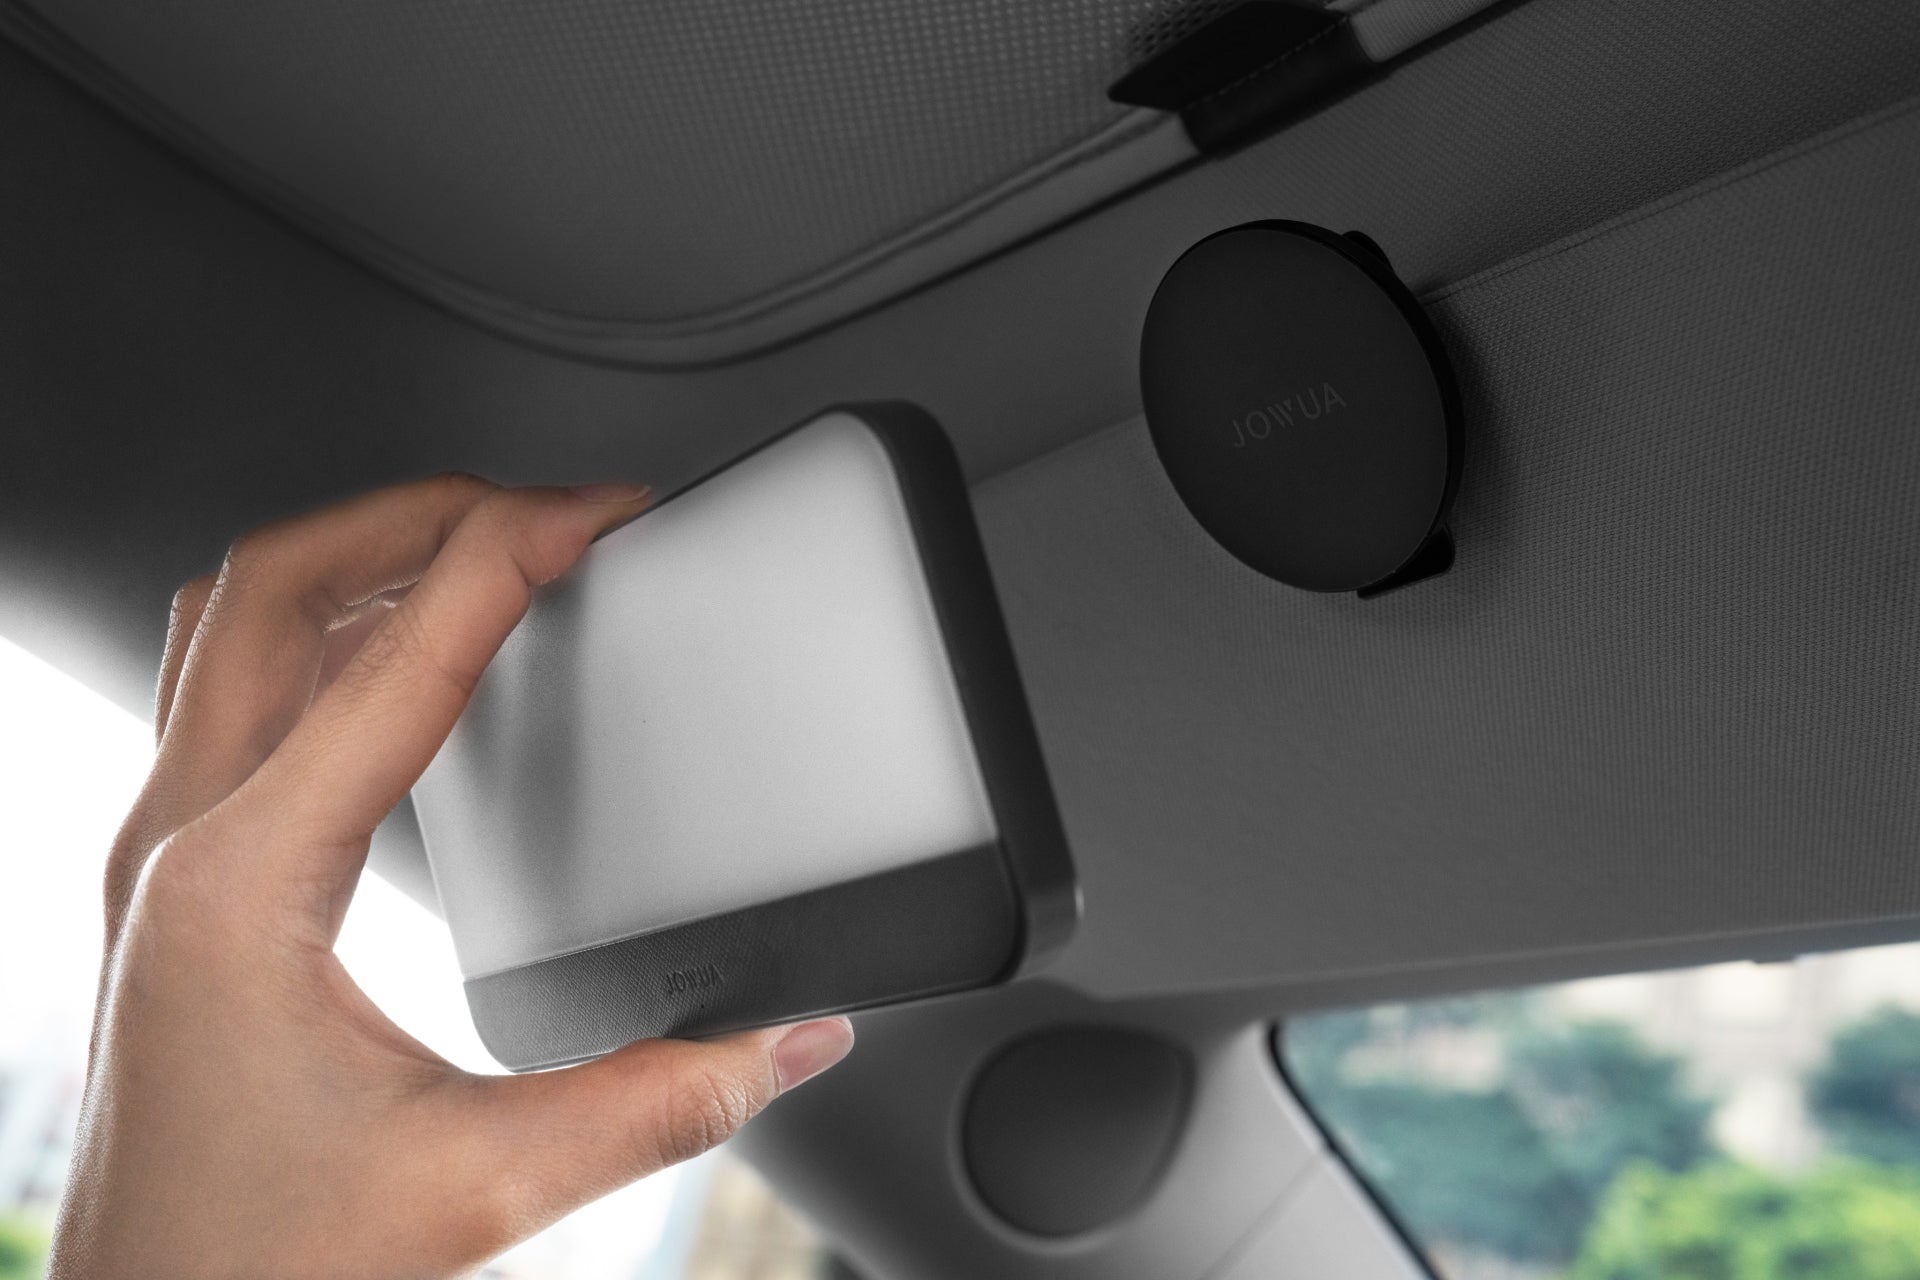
{"x":762,"y":755}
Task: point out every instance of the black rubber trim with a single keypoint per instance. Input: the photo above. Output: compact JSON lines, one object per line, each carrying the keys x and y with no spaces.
{"x":1239,"y":42}
{"x":1251,"y":70}
{"x":1360,"y":249}
{"x":985,"y":671}
{"x":1313,"y":74}
{"x":936,"y":926}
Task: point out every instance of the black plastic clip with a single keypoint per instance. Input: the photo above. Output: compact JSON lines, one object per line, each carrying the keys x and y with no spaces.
{"x":1434,"y":558}
{"x":1254,"y":68}
{"x":1436,"y":554}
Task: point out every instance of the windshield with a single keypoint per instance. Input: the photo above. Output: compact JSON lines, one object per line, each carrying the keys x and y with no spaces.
{"x":1731,"y":1122}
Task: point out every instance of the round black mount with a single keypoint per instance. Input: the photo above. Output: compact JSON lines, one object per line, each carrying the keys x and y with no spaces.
{"x":1069,"y":1129}
{"x":1303,"y":407}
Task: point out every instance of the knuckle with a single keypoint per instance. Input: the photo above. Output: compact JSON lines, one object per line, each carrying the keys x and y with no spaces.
{"x":125,"y":862}
{"x":463,"y":484}
{"x":544,"y":554}
{"x":506,"y":514}
{"x":192,"y":596}
{"x":388,"y":643}
{"x":540,"y":540}
{"x":250,"y":547}
{"x":265,"y":563}
{"x":250,"y":557}
{"x":402,"y":643}
{"x":169,"y":877}
{"x":704,"y":1108}
{"x":458,"y":495}
{"x":490,"y":521}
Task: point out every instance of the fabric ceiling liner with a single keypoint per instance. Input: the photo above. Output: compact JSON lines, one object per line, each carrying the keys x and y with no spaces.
{"x":673,"y":183}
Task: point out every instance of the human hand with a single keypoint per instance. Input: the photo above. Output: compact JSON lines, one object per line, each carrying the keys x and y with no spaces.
{"x":248,"y":1110}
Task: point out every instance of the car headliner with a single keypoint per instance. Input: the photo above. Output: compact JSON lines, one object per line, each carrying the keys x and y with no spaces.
{"x":1664,"y":708}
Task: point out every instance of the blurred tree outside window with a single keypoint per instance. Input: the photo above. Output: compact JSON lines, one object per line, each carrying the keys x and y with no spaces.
{"x":1867,"y":1096}
{"x":1844,"y":1220}
{"x":23,"y":1250}
{"x":1734,"y":1122}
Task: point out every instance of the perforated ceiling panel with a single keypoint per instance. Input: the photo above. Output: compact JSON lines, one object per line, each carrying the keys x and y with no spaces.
{"x":690,"y":178}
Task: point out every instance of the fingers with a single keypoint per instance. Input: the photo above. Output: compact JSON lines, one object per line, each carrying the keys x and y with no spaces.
{"x":142,"y":828}
{"x":344,"y":641}
{"x":245,"y":648}
{"x":251,"y":669}
{"x":367,"y":738}
{"x":588,"y":1130}
{"x":189,"y":603}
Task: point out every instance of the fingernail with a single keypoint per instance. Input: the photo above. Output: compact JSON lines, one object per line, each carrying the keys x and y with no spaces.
{"x":612,"y":492}
{"x":809,"y":1049}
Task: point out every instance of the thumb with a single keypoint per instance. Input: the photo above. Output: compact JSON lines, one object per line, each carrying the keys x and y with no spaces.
{"x":584,"y":1131}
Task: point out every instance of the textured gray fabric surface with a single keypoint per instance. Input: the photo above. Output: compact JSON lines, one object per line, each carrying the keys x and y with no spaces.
{"x":250,"y":374}
{"x":1555,"y":114}
{"x":648,"y":162}
{"x":1388,"y":28}
{"x":669,"y":182}
{"x":1672,"y":688}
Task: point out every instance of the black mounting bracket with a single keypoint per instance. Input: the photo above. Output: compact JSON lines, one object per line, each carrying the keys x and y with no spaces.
{"x":1250,"y":70}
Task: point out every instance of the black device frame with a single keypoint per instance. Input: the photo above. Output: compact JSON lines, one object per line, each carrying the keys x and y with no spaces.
{"x":962,"y":920}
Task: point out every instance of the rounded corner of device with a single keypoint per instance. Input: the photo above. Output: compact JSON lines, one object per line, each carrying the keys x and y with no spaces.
{"x":1052,"y":916}
{"x":983,"y":895}
{"x":500,"y":1041}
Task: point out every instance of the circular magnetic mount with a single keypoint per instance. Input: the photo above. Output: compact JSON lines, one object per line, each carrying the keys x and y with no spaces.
{"x":1303,"y":407}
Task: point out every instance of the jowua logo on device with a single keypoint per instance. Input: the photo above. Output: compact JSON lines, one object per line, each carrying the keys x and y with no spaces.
{"x":1309,"y":405}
